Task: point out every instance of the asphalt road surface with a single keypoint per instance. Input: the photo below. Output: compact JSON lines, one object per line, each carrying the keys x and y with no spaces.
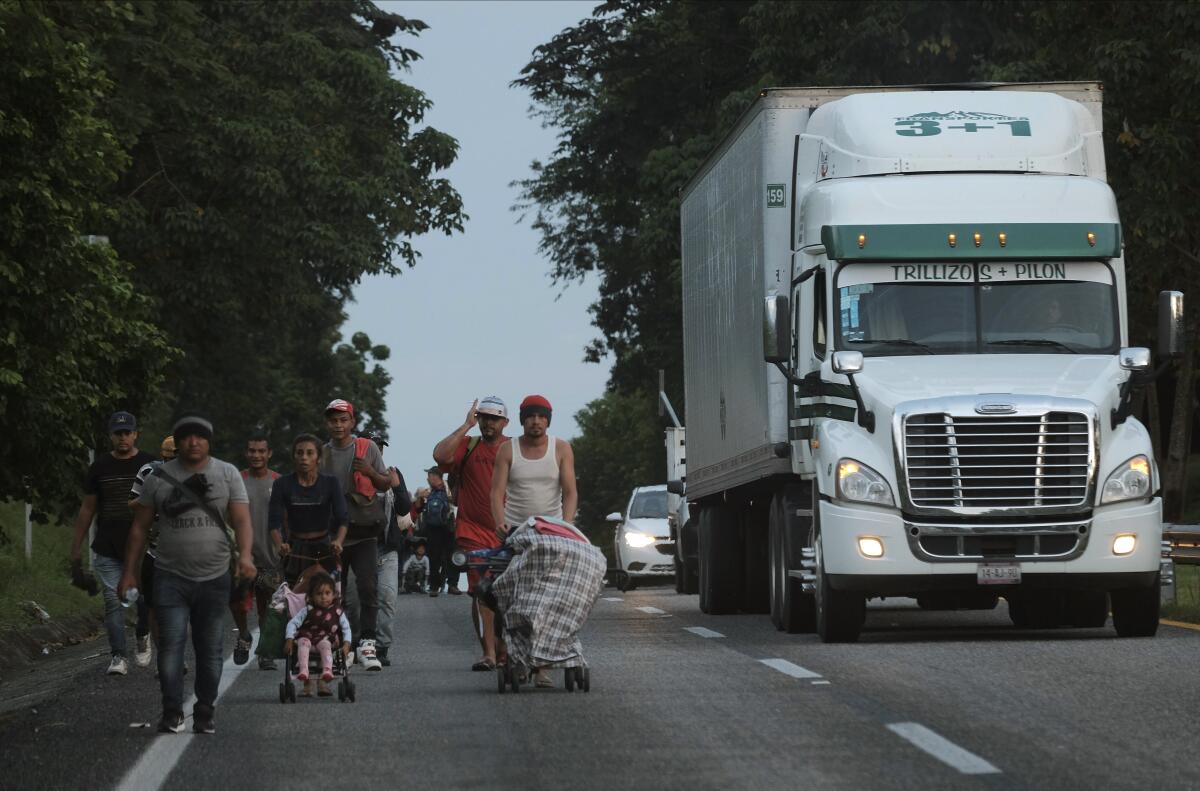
{"x":678,"y":700}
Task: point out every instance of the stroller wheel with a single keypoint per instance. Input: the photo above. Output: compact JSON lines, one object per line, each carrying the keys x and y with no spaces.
{"x":585,"y":679}
{"x":514,"y":679}
{"x":342,"y":691}
{"x":291,"y":690}
{"x":283,"y":696}
{"x":350,"y":690}
{"x":501,"y":678}
{"x":569,"y":679}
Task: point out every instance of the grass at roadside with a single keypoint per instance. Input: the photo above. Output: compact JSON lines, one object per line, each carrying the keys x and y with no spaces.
{"x":42,"y":579}
{"x":1187,"y":596}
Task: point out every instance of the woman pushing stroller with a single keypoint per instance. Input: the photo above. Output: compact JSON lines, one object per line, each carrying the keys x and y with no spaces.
{"x":318,"y":625}
{"x":307,"y":516}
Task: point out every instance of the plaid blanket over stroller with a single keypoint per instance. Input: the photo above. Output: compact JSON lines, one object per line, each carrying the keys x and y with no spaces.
{"x":547,"y":592}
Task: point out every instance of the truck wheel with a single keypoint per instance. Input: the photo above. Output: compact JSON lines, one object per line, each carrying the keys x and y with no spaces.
{"x":756,"y":572}
{"x":720,"y":561}
{"x":1135,"y":610}
{"x":1088,"y":609}
{"x":792,"y":609}
{"x":840,"y":614}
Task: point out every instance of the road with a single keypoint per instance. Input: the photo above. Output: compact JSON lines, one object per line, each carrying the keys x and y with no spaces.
{"x":678,"y":700}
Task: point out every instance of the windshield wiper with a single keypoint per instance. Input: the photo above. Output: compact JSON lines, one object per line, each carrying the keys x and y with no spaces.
{"x":1034,"y":342}
{"x":895,"y":342}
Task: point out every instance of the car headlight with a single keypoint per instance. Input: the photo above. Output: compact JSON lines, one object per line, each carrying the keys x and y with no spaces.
{"x":1133,"y":480}
{"x":859,"y":483}
{"x":638,"y":540}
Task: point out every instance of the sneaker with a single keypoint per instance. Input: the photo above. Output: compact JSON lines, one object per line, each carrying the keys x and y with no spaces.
{"x":455,"y":591}
{"x":382,"y":655}
{"x":202,"y":724}
{"x":433,"y":594}
{"x":323,"y":689}
{"x":143,"y":653}
{"x":366,"y":655}
{"x":266,"y":663}
{"x":241,"y":652}
{"x":171,"y":723}
{"x":118,"y":666}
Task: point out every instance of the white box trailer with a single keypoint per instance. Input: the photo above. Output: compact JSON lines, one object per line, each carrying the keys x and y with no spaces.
{"x":933,"y":216}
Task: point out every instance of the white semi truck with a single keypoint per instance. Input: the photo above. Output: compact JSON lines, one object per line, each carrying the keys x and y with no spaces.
{"x":906,"y":363}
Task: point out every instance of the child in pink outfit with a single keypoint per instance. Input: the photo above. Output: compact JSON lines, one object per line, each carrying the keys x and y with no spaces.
{"x":320,"y":624}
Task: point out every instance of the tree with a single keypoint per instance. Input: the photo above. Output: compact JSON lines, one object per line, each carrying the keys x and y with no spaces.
{"x":75,"y":336}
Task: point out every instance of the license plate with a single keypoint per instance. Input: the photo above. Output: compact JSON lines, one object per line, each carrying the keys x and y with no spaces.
{"x":998,"y":574}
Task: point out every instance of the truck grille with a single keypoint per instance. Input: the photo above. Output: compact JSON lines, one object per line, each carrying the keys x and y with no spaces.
{"x":997,"y":462}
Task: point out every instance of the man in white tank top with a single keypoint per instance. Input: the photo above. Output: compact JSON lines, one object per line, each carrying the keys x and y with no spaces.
{"x":534,"y":474}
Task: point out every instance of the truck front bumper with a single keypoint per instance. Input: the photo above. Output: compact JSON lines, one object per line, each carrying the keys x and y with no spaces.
{"x":901,"y":571}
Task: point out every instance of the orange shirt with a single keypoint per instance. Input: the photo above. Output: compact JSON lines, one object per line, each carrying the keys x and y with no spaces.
{"x":474,"y":492}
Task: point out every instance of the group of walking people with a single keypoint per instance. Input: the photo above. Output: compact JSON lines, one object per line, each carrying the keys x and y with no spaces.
{"x":189,"y":537}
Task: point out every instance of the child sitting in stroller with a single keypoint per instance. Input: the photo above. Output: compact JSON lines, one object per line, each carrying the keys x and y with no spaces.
{"x":319,"y":624}
{"x":416,"y":570}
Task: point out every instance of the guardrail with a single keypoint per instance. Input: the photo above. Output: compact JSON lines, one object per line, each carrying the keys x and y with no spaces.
{"x":1180,"y":546}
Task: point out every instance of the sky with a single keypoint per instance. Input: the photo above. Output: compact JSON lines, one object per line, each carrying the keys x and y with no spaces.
{"x":478,"y":315}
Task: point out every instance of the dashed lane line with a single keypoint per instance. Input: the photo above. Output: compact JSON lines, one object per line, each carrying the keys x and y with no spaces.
{"x":789,"y":668}
{"x":652,"y":611}
{"x":700,"y":631}
{"x":612,"y":598}
{"x":156,"y":764}
{"x":942,"y":748}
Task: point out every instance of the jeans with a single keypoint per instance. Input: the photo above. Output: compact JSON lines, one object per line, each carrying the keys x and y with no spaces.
{"x":389,"y":579}
{"x":109,"y":571}
{"x":361,"y":561}
{"x":179,"y":602}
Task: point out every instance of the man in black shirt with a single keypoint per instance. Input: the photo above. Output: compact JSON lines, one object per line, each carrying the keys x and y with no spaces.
{"x":106,"y":497}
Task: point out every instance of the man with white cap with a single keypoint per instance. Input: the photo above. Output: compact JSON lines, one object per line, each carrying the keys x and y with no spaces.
{"x":471,"y":460}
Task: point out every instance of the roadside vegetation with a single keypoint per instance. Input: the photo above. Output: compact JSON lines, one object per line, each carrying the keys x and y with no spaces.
{"x":43,"y":579}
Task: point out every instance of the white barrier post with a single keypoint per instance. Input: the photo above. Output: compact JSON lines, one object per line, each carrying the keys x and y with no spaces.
{"x":29,"y":531}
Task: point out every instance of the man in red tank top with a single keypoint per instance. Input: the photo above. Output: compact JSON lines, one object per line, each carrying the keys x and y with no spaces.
{"x":470,"y":461}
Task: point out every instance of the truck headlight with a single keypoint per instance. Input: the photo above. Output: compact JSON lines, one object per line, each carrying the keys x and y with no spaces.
{"x":1133,"y":480}
{"x":859,"y":483}
{"x":638,"y":540}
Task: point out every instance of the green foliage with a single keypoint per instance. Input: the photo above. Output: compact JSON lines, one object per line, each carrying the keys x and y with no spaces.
{"x":620,"y":447}
{"x":643,"y":90}
{"x":42,"y":579}
{"x":75,"y":336}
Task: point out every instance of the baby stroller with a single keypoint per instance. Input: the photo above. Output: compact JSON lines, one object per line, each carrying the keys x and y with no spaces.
{"x":542,"y":582}
{"x":294,"y":602}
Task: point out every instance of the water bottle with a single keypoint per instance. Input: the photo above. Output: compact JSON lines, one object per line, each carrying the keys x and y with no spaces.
{"x":131,"y":596}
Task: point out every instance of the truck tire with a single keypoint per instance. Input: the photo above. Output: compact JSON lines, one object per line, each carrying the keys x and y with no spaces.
{"x":792,"y":610}
{"x":720,"y":561}
{"x":1135,"y":610}
{"x":756,"y":570}
{"x":840,"y":614}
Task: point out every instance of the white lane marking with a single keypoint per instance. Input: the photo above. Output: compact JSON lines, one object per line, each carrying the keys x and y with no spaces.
{"x":159,"y":759}
{"x":702,"y":632}
{"x":789,"y":669}
{"x":815,"y":683}
{"x":942,"y":748}
{"x":612,"y":598}
{"x":652,"y":610}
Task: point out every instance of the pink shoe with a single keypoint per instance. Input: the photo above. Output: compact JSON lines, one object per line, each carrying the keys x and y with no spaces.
{"x":302,"y":675}
{"x":327,"y":675}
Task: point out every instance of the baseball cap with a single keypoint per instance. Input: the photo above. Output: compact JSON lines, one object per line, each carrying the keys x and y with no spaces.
{"x":492,"y":405}
{"x":168,"y":446}
{"x":436,"y":470}
{"x":340,"y":405}
{"x":189,"y":425}
{"x":121,"y":421}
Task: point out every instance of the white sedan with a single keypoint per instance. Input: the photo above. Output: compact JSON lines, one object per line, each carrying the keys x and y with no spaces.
{"x":642,"y":546}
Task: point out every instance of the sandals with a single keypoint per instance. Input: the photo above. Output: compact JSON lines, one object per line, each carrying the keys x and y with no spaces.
{"x":484,"y":665}
{"x":542,"y":679}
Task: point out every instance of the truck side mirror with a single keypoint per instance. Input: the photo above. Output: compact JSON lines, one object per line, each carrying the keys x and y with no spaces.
{"x":675,"y":487}
{"x":1170,"y":323}
{"x":847,"y":362}
{"x":1134,"y":358}
{"x":777,"y":332}
{"x":615,"y":516}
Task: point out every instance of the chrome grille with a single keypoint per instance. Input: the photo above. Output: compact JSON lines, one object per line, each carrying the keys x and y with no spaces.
{"x":1011,"y":461}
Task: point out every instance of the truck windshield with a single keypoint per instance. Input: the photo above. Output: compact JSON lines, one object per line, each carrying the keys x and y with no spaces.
{"x":977,"y":308}
{"x":649,"y":505}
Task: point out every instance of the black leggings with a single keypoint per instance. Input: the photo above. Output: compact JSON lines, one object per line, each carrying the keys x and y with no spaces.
{"x":440,"y":546}
{"x":362,"y":559}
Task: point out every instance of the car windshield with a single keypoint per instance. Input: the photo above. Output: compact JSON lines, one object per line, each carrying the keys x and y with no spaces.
{"x":649,"y":505}
{"x":998,"y":307}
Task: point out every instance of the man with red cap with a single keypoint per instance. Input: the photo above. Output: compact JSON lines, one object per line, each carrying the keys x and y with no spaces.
{"x":358,"y":466}
{"x":534,"y":476}
{"x":471,"y":461}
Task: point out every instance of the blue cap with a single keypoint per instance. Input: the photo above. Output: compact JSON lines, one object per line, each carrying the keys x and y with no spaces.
{"x":121,"y":421}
